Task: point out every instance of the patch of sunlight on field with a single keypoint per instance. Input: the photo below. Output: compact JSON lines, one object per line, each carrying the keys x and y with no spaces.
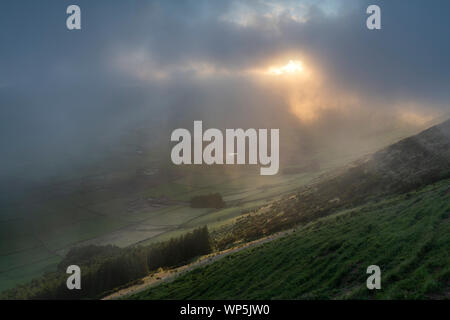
{"x":286,"y":184}
{"x":129,"y":235}
{"x":226,"y":215}
{"x":178,"y":216}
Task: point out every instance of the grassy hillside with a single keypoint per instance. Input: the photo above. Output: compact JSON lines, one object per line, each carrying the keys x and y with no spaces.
{"x":138,"y":200}
{"x":407,"y":235}
{"x":404,"y":166}
{"x":35,"y":236}
{"x":146,"y":205}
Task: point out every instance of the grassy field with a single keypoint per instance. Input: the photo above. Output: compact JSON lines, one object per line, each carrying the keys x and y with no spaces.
{"x":31,"y":244}
{"x":108,"y":209}
{"x":408,"y":236}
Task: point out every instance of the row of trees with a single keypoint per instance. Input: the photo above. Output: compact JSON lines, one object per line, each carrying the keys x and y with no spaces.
{"x":213,"y":200}
{"x":104,"y":268}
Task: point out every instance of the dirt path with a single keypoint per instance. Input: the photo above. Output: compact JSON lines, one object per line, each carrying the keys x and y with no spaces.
{"x":157,"y":278}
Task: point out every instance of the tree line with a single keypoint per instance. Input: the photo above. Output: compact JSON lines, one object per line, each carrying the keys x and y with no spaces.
{"x":213,"y":200}
{"x":104,"y":268}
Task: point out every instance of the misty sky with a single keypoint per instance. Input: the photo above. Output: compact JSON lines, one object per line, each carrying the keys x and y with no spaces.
{"x":67,"y":96}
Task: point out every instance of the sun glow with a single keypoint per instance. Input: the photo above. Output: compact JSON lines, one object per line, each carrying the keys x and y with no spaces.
{"x":293,"y":67}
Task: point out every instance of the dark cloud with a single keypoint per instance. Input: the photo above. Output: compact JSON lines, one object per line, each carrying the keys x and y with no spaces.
{"x":139,"y":64}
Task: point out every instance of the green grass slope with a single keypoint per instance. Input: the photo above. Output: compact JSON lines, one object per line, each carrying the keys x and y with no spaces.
{"x":408,"y":236}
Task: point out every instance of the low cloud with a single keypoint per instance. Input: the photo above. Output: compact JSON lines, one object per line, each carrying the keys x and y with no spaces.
{"x":159,"y":65}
